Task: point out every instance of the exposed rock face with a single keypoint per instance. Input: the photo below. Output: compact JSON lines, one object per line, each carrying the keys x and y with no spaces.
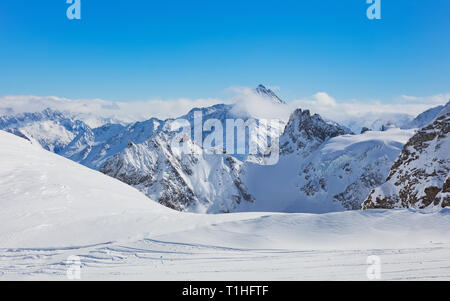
{"x":304,"y":132}
{"x":420,"y":176}
{"x":365,"y":129}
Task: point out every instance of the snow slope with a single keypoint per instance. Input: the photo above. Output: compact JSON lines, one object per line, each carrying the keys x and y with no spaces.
{"x":47,"y":200}
{"x":52,"y":208}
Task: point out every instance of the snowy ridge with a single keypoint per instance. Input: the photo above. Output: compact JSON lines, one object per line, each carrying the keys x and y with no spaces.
{"x":93,"y":147}
{"x":194,"y":181}
{"x":426,"y":117}
{"x":197,"y":181}
{"x":50,"y":129}
{"x":263,"y":91}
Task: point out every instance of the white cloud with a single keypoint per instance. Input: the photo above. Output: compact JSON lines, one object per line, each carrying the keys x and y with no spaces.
{"x":324,"y":99}
{"x":247,"y":101}
{"x":433,"y":99}
{"x":328,"y":107}
{"x":89,"y":109}
{"x":411,"y":98}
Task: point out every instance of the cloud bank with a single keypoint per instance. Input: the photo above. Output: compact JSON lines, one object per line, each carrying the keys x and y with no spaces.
{"x":98,"y":111}
{"x":325,"y":105}
{"x":244,"y":98}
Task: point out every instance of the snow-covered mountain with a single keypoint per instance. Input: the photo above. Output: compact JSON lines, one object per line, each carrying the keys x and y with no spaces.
{"x":304,"y":133}
{"x":322,"y":168}
{"x":94,"y":146}
{"x":376,"y":121}
{"x":316,"y":173}
{"x":200,"y":180}
{"x":312,"y":175}
{"x":47,"y":200}
{"x":140,"y":154}
{"x":381,"y":121}
{"x":265,"y":92}
{"x":426,"y":117}
{"x":419,"y":178}
{"x":53,"y":209}
{"x":51,"y":129}
{"x":192,"y":181}
{"x":322,"y":165}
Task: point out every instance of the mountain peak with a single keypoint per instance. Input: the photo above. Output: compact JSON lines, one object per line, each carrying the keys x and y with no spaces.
{"x":305,"y":132}
{"x":265,"y":92}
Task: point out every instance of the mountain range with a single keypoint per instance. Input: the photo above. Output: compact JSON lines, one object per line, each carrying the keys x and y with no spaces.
{"x":322,"y":166}
{"x":57,"y":214}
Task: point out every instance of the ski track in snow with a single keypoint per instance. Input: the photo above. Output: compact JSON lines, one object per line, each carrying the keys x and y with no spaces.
{"x":158,"y":260}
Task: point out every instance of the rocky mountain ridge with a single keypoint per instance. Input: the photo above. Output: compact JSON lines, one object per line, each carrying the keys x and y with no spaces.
{"x":419,"y":178}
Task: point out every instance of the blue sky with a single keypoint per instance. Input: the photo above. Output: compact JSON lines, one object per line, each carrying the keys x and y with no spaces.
{"x":136,"y":50}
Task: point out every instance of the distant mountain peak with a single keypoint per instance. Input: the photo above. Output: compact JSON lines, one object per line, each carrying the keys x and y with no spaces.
{"x":265,"y":92}
{"x":305,"y":132}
